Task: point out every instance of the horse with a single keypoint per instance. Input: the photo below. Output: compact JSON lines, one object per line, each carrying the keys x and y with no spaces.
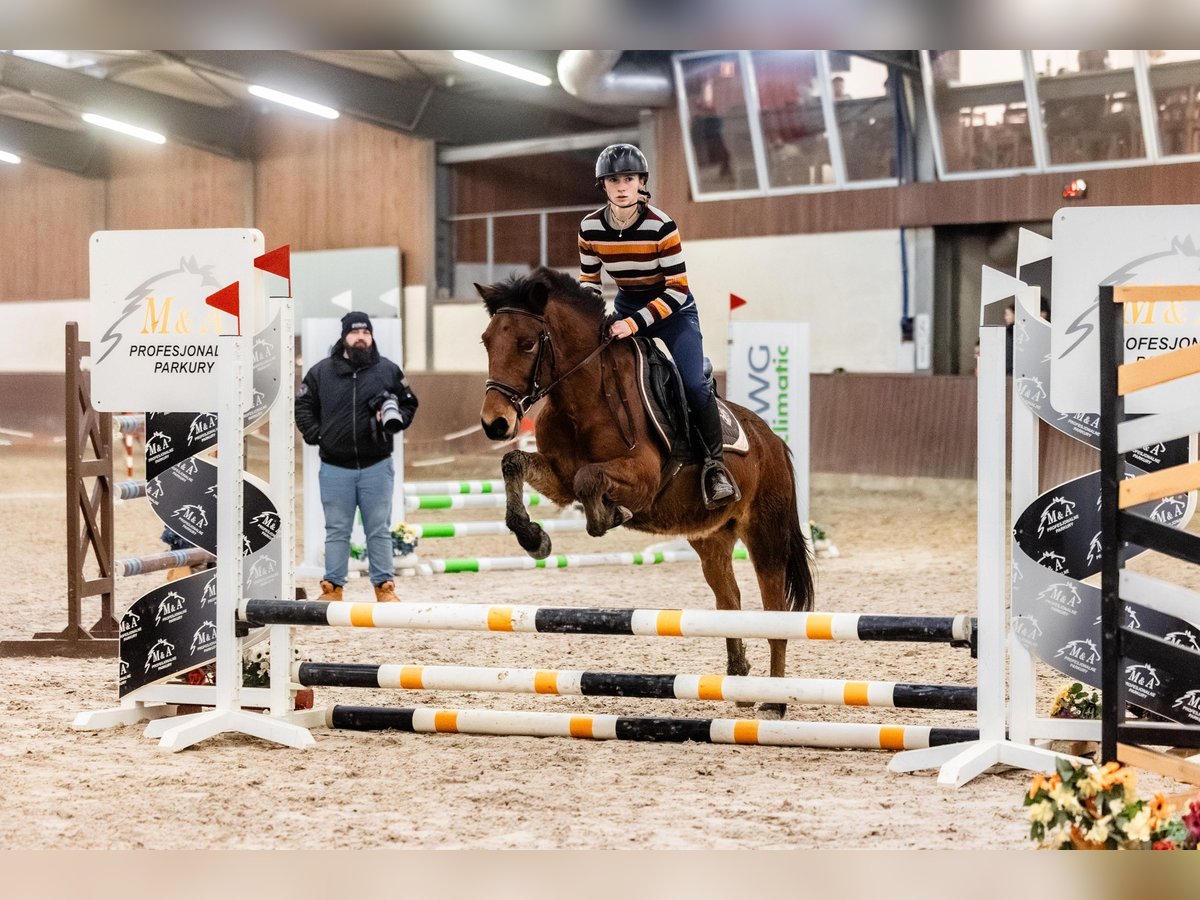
{"x":548,"y":337}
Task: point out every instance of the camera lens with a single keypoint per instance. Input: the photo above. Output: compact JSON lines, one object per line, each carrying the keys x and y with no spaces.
{"x":392,"y":422}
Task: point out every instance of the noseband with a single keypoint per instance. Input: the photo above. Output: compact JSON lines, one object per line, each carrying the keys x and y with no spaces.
{"x":522,"y":400}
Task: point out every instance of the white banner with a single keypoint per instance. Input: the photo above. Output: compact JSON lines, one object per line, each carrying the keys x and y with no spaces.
{"x":154,"y":341}
{"x":1120,"y":245}
{"x":768,"y":374}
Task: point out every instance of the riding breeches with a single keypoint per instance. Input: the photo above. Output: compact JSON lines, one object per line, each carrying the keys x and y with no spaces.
{"x":680,"y":331}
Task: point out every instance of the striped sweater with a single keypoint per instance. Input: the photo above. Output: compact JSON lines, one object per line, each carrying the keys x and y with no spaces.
{"x":645,"y":258}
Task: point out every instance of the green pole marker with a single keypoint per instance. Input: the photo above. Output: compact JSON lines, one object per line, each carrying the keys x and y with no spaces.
{"x":437,"y":530}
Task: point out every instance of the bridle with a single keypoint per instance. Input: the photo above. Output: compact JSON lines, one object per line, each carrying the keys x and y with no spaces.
{"x":522,"y":400}
{"x":534,"y":391}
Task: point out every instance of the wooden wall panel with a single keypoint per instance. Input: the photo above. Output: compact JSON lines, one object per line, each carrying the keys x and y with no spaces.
{"x":46,"y":217}
{"x":173,"y":186}
{"x":330,"y":185}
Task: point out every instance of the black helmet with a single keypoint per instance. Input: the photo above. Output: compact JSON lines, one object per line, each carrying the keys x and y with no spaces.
{"x":620,"y":159}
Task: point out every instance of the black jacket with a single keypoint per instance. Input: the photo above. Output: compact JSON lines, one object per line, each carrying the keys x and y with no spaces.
{"x":334,"y":411}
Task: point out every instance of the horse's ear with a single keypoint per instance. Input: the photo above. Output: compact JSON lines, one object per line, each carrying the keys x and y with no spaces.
{"x":539,"y":294}
{"x":484,"y":291}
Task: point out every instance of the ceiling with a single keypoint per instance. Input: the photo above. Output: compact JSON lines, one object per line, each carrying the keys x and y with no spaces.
{"x":200,"y":98}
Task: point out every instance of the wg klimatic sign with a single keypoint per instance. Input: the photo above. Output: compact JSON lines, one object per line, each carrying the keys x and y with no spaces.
{"x":154,"y":340}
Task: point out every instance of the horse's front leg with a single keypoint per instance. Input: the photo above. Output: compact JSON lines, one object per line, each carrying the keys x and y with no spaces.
{"x":519,"y":467}
{"x":611,"y":492}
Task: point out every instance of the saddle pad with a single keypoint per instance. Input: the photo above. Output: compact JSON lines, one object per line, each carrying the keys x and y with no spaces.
{"x":663,"y":401}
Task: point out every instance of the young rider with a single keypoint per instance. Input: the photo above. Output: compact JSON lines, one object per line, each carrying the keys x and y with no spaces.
{"x":638,"y":245}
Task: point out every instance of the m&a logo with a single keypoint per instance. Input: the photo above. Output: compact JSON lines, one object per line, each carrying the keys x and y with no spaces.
{"x":1061,"y":597}
{"x":158,"y":446}
{"x":1168,"y":509}
{"x":263,"y":351}
{"x":1030,"y":389}
{"x":188,"y":467}
{"x":1026,"y":628}
{"x":1189,"y":704}
{"x":210,"y":592}
{"x":1184,"y":638}
{"x":154,"y":490}
{"x":205,"y":638}
{"x":1058,"y":515}
{"x":268,"y":524}
{"x":210,"y":491}
{"x":256,"y":401}
{"x":1084,"y":423}
{"x":161,"y":655}
{"x":131,"y":624}
{"x":170,"y":609}
{"x":1131,"y":618}
{"x":246,"y":548}
{"x":1080,"y":654}
{"x":264,"y":567}
{"x":203,"y":428}
{"x":1142,"y":680}
{"x":1054,"y":561}
{"x":123,"y":673}
{"x":192,"y":517}
{"x":1094,"y":549}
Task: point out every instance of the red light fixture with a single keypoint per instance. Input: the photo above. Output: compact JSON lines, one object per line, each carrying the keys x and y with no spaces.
{"x":1076,"y":190}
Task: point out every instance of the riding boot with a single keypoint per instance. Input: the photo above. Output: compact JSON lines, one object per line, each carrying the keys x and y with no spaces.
{"x":717,"y":486}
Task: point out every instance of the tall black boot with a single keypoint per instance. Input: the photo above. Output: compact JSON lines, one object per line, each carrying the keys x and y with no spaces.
{"x":717,"y":486}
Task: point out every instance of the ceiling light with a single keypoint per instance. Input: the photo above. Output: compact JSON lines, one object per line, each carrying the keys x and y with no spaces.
{"x":499,"y":65}
{"x":104,"y":122}
{"x":293,"y":101}
{"x":9,"y":157}
{"x":63,"y":59}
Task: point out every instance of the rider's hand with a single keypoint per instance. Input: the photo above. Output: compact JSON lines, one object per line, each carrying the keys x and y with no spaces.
{"x":620,"y":329}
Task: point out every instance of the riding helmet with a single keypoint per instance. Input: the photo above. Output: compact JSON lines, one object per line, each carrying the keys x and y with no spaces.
{"x":620,"y":159}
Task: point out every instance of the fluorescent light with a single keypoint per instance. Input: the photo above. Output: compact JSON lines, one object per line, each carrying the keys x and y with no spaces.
{"x":293,"y":101}
{"x":104,"y":122}
{"x":63,"y":59}
{"x":499,"y":65}
{"x":7,"y":157}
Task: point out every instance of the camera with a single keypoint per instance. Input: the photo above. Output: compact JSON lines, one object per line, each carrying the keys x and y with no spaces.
{"x":388,"y":404}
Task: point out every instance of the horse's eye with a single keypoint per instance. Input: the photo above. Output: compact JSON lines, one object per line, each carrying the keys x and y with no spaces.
{"x":525,"y":345}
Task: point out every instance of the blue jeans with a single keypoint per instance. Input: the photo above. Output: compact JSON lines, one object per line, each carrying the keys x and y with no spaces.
{"x":680,"y":331}
{"x":370,"y":490}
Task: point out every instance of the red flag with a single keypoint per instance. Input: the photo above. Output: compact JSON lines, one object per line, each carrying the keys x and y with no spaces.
{"x":735,"y":301}
{"x":277,"y":262}
{"x":227,"y":300}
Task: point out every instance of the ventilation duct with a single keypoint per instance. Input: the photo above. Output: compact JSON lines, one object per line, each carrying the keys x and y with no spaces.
{"x":589,"y":75}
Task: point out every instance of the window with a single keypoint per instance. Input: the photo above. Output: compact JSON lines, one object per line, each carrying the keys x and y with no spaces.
{"x":793,"y":122}
{"x":718,"y":123}
{"x":1175,"y":82}
{"x":1089,"y":105}
{"x":866,"y":117}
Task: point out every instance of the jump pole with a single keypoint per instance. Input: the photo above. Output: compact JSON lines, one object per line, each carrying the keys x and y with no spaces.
{"x":840,"y":735}
{"x":568,"y":683}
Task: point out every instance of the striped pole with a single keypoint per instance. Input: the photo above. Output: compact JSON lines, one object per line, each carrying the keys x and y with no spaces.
{"x":129,"y":490}
{"x":129,"y":424}
{"x":563,"y":561}
{"x":475,"y":529}
{"x":467,"y":501}
{"x":849,"y":736}
{"x":648,"y":622}
{"x":171,"y":559}
{"x":742,"y":689}
{"x":128,"y":455}
{"x":425,"y":488}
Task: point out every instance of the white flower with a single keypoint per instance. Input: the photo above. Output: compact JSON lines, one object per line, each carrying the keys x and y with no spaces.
{"x":1041,"y":812}
{"x":1066,"y":799}
{"x":1100,"y":831}
{"x":1138,"y":828}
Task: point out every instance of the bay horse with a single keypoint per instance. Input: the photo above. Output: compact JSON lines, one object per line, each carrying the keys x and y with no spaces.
{"x":549,"y":337}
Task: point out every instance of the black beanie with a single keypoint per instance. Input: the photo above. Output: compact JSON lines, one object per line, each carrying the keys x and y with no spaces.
{"x":352,"y":320}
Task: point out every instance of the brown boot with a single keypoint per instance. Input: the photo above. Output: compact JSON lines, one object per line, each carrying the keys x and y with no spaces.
{"x":386,"y":593}
{"x":330,"y":591}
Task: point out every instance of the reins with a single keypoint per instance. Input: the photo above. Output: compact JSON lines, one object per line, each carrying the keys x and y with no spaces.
{"x":534,"y":392}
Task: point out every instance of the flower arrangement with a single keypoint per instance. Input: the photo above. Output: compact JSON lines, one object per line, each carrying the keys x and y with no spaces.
{"x":256,"y":664}
{"x":821,"y":544}
{"x":1088,"y":807}
{"x":1076,"y":702}
{"x":404,"y":539}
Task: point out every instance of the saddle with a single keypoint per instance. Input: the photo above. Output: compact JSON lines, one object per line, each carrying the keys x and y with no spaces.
{"x":662,"y":395}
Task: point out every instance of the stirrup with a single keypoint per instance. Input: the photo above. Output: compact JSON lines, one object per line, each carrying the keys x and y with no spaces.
{"x":711,"y":502}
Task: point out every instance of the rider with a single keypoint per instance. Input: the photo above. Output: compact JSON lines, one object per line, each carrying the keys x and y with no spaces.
{"x":639,"y":246}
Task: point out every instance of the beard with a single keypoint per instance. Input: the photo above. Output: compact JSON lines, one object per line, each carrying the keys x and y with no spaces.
{"x":359,"y":356}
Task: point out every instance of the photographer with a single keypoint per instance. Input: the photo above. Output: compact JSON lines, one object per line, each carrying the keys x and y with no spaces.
{"x":350,"y":404}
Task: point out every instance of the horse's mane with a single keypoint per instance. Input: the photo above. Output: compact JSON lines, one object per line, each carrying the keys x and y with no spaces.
{"x":531,"y":292}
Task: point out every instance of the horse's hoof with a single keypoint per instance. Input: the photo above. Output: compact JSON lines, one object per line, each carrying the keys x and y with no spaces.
{"x":542,"y":550}
{"x":534,"y":541}
{"x":772,"y":710}
{"x":622,"y":516}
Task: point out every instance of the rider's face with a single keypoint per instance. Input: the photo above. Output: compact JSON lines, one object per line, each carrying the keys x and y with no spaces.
{"x":622,"y":189}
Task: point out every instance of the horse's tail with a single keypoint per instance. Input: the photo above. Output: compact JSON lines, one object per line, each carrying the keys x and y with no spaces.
{"x":798,"y":574}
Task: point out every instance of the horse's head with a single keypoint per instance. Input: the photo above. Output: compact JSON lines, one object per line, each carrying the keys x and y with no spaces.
{"x":519,"y":341}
